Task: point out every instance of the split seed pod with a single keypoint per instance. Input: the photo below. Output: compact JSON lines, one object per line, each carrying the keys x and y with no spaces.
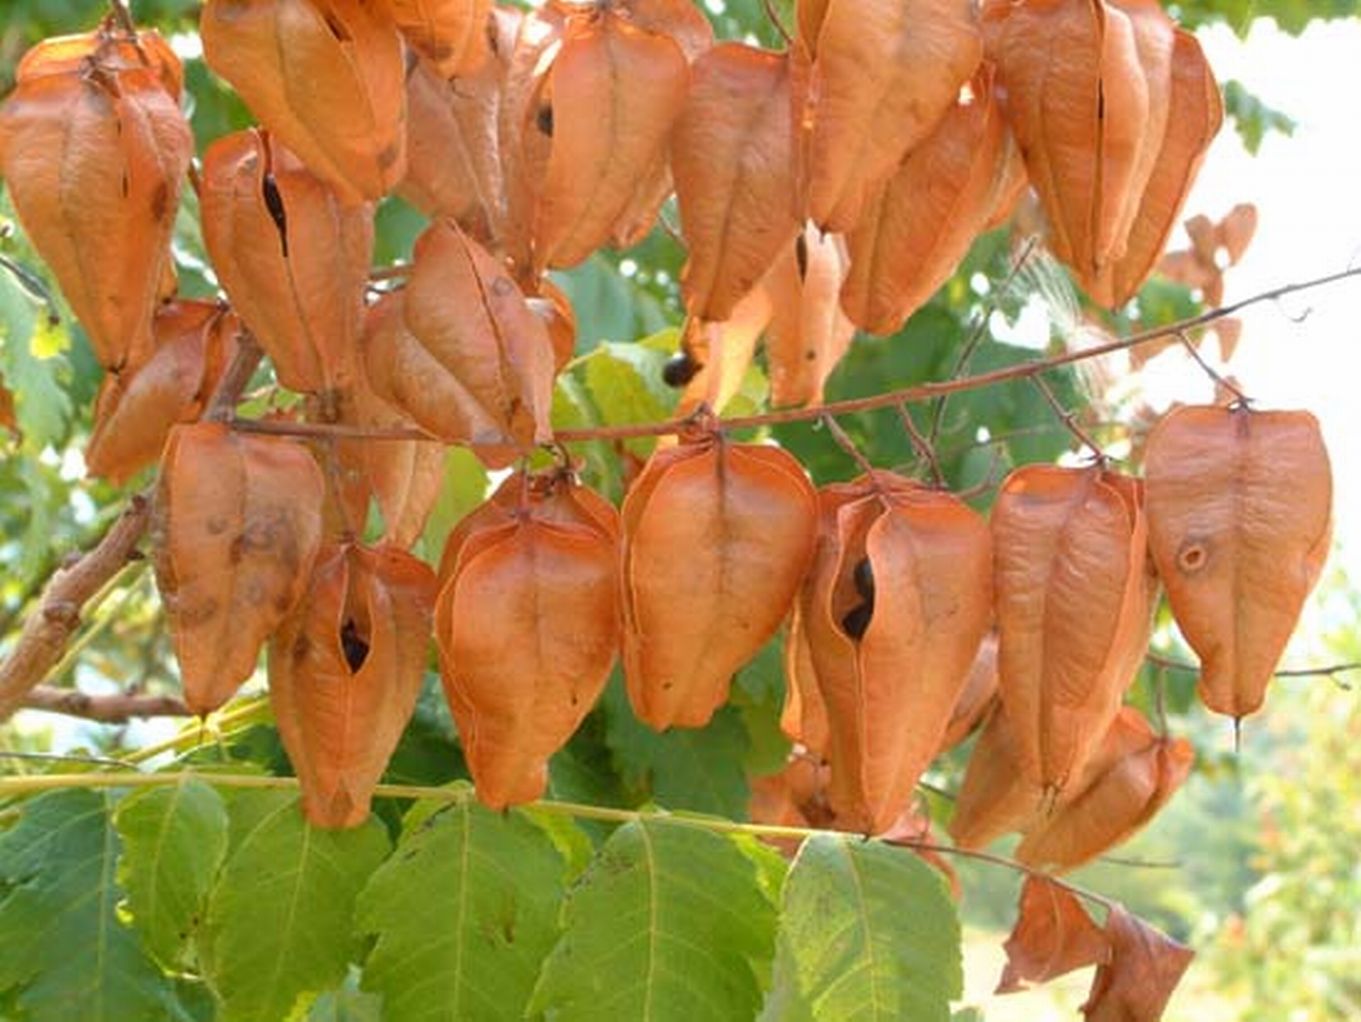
{"x":238,"y":524}
{"x":137,"y":408}
{"x":460,"y":351}
{"x":882,"y":73}
{"x":292,"y":258}
{"x":345,"y":671}
{"x":1074,"y":608}
{"x":717,"y":537}
{"x":995,"y":797}
{"x":93,"y":148}
{"x":731,"y":156}
{"x":1078,"y":101}
{"x":325,"y":76}
{"x":527,"y":623}
{"x":1140,"y":771}
{"x":921,"y":223}
{"x":451,"y":34}
{"x":894,"y":608}
{"x":1240,"y":520}
{"x":808,"y":332}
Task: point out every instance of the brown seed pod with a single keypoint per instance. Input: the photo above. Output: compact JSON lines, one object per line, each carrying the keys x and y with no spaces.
{"x":804,"y":717}
{"x":1136,"y":981}
{"x":345,"y":671}
{"x":136,"y":408}
{"x":731,"y":156}
{"x":1074,"y":605}
{"x":527,"y":623}
{"x":1053,"y":936}
{"x":460,"y":351}
{"x":880,"y":74}
{"x":995,"y":796}
{"x":977,"y":699}
{"x":1078,"y":101}
{"x":93,"y":148}
{"x":920,"y":225}
{"x":238,"y":523}
{"x":808,"y":332}
{"x":451,"y":34}
{"x":1240,"y":520}
{"x":291,"y":257}
{"x":716,"y":540}
{"x":896,"y":603}
{"x":325,"y":76}
{"x":1132,"y":776}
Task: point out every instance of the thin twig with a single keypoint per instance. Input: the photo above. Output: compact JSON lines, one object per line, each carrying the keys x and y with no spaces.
{"x":848,"y":445}
{"x":1327,"y":671}
{"x":914,"y":394}
{"x":62,"y":757}
{"x":1068,"y":418}
{"x":107,"y":709}
{"x":925,"y":451}
{"x":1215,"y":377}
{"x":118,"y":10}
{"x":774,"y":17}
{"x":980,"y":330}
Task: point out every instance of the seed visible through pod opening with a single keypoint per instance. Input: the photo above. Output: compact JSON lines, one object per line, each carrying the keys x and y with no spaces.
{"x":274,"y":202}
{"x":355,"y":648}
{"x":680,"y":369}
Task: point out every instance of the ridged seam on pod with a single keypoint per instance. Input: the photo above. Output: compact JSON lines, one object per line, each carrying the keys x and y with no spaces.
{"x":1074,"y":599}
{"x":717,"y":537}
{"x":1240,"y":520}
{"x":345,"y":671}
{"x":237,"y":528}
{"x":527,"y":623}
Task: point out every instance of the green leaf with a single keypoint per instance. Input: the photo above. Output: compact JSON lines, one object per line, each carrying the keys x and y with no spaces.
{"x":698,"y":769}
{"x":33,"y":360}
{"x":867,"y":932}
{"x":279,"y":921}
{"x":174,"y":841}
{"x":463,"y":488}
{"x":64,"y":947}
{"x":758,"y":694}
{"x":667,"y":923}
{"x":625,"y":381}
{"x":1253,"y":118}
{"x":464,"y":913}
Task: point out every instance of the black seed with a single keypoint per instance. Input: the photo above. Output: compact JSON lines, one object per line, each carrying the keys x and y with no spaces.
{"x":274,"y":202}
{"x":356,"y":649}
{"x":863,"y":576}
{"x":801,"y":254}
{"x":680,"y":369}
{"x":857,"y":622}
{"x":543,"y":120}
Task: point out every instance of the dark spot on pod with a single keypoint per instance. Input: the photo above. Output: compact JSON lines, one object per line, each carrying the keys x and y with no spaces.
{"x":857,"y":622}
{"x":680,"y":369}
{"x":338,"y":30}
{"x":543,"y":120}
{"x":1192,"y":555}
{"x":274,"y":202}
{"x":801,"y":256}
{"x":355,"y":648}
{"x":863,"y":576}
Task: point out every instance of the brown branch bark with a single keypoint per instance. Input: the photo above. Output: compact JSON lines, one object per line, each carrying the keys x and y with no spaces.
{"x":107,"y":709}
{"x":907,"y":395}
{"x":1327,"y":671}
{"x":51,"y":624}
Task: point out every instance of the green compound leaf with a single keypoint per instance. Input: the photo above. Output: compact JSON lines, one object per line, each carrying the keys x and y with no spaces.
{"x":280,"y":917}
{"x":868,"y":933}
{"x":668,"y":922}
{"x":174,"y":841}
{"x":65,"y":949}
{"x":464,"y":913}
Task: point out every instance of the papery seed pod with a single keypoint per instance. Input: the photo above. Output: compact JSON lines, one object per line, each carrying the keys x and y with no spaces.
{"x":551,"y":304}
{"x":92,"y":150}
{"x":613,"y":91}
{"x":345,"y":671}
{"x":293,"y":260}
{"x":731,"y":155}
{"x":718,"y":355}
{"x":238,"y":523}
{"x":1074,"y":606}
{"x":453,"y":155}
{"x":895,"y":605}
{"x":881,"y":74}
{"x":1195,"y":114}
{"x":1240,"y":520}
{"x":451,"y":34}
{"x":1135,"y":983}
{"x":920,"y":225}
{"x":527,"y":623}
{"x":1053,"y":936}
{"x":808,"y":332}
{"x":1140,"y":772}
{"x":978,"y":698}
{"x":1078,"y":102}
{"x":995,"y":796}
{"x":461,"y":352}
{"x":136,"y":408}
{"x":325,"y":76}
{"x":744,"y":517}
{"x":804,"y":717}
{"x":403,"y":476}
